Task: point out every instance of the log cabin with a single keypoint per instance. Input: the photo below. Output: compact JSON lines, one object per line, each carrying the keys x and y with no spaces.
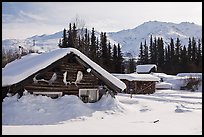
{"x":64,"y":71}
{"x":138,"y":83}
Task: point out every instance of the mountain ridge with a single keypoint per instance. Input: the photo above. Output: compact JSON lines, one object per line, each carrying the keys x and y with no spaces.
{"x":129,"y":39}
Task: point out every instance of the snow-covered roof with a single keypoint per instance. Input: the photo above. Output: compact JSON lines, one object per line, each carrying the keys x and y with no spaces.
{"x":137,"y":77}
{"x":21,"y":69}
{"x":145,"y":68}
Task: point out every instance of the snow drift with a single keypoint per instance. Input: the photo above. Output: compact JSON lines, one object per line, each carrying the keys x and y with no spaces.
{"x":42,"y":110}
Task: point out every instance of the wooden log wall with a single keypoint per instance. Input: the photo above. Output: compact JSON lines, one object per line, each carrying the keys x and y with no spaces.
{"x":70,"y":65}
{"x":139,"y":87}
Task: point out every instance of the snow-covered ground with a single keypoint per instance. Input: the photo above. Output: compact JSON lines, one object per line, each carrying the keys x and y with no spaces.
{"x":166,"y":112}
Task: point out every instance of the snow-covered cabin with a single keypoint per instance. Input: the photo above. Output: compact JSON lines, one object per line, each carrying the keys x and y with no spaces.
{"x":61,"y":71}
{"x":138,"y":83}
{"x":146,"y":69}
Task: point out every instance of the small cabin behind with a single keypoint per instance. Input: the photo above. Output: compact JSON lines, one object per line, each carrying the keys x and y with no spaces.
{"x":138,"y":83}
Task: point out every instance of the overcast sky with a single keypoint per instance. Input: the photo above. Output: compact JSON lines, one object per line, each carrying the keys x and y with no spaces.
{"x":24,"y":19}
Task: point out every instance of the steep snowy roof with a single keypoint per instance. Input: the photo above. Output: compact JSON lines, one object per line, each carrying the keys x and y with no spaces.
{"x":145,"y":68}
{"x":137,"y":77}
{"x":21,"y":69}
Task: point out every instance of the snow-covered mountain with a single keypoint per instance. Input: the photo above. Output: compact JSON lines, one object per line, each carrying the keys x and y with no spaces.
{"x":43,"y":43}
{"x":130,"y":39}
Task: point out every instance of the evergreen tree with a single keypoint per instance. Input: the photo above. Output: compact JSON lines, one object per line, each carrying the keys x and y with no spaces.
{"x":189,"y":50}
{"x":120,"y":60}
{"x":70,"y":41}
{"x":194,"y":50}
{"x":141,"y":55}
{"x":177,"y":50}
{"x":168,"y":56}
{"x":109,"y":58}
{"x":60,"y":43}
{"x":82,"y":45}
{"x":86,"y":43}
{"x":154,"y":53}
{"x":74,"y":36}
{"x":115,"y":58}
{"x":93,"y":47}
{"x":98,"y":51}
{"x":64,"y":39}
{"x":160,"y":54}
{"x":199,"y":55}
{"x":172,"y":52}
{"x":104,"y":50}
{"x":132,"y":65}
{"x":151,"y":51}
{"x":146,"y":59}
{"x":183,"y":62}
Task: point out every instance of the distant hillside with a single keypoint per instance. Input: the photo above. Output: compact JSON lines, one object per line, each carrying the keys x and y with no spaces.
{"x":130,"y":39}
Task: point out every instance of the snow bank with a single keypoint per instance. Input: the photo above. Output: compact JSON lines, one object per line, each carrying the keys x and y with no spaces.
{"x":107,"y":102}
{"x":179,"y":80}
{"x":19,"y":70}
{"x":42,"y":110}
{"x":195,"y":75}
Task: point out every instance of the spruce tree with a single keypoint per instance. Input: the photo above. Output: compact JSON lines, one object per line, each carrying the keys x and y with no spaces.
{"x":131,"y":65}
{"x":154,"y":53}
{"x":183,"y":63}
{"x":120,"y":60}
{"x":64,"y":39}
{"x":115,"y":58}
{"x":98,"y":51}
{"x":104,"y":50}
{"x":194,"y":50}
{"x":93,"y":47}
{"x":109,"y":58}
{"x":60,"y":43}
{"x":177,"y":49}
{"x":199,"y":54}
{"x":160,"y":54}
{"x":189,"y":50}
{"x":86,"y":43}
{"x":70,"y":41}
{"x":151,"y":50}
{"x":146,"y":58}
{"x":141,"y":55}
{"x":74,"y":36}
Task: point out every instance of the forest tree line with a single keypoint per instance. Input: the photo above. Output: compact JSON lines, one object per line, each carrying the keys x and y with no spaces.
{"x":173,"y":58}
{"x":98,"y":49}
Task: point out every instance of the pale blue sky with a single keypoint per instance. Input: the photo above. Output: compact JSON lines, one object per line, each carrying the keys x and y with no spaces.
{"x":24,"y":19}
